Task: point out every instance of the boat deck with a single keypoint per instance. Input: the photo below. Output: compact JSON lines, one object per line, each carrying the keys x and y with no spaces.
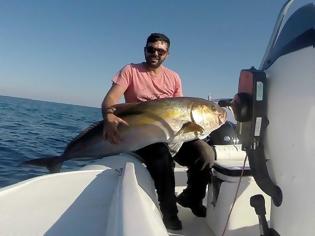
{"x":85,"y":202}
{"x":192,"y":225}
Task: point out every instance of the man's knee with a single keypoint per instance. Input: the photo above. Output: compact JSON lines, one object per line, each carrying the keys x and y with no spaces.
{"x":205,"y":153}
{"x":196,"y":153}
{"x":156,"y":155}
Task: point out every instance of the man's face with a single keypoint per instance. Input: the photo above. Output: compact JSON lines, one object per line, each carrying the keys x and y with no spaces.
{"x":155,"y":53}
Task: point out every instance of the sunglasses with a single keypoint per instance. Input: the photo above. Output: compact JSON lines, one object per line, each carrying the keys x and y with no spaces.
{"x":152,"y":50}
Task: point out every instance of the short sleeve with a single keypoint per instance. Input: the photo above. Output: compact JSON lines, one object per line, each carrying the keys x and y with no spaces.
{"x":178,"y":87}
{"x":123,"y":77}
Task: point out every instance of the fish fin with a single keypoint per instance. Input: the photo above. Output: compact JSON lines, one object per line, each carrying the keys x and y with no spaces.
{"x":52,"y":163}
{"x":190,"y":127}
{"x":123,"y":114}
{"x":124,"y":109}
{"x":174,"y":147}
{"x":88,"y":131}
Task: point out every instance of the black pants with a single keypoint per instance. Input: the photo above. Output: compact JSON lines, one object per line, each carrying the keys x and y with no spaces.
{"x":197,"y":155}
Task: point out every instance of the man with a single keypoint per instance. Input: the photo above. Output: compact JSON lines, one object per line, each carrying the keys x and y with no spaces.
{"x":148,"y":81}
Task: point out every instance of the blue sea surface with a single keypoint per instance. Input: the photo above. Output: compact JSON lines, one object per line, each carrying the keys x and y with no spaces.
{"x":32,"y":129}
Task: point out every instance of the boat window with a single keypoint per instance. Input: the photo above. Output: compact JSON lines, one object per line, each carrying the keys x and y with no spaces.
{"x":296,"y":33}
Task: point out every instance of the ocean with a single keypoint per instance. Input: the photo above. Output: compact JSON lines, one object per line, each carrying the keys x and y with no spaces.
{"x":31,"y":129}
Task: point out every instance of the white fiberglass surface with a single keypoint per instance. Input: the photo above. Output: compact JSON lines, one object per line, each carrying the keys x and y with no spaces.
{"x":289,"y":142}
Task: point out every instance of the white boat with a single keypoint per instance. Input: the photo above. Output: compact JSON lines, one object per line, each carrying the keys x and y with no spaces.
{"x":116,"y":196}
{"x":275,"y":110}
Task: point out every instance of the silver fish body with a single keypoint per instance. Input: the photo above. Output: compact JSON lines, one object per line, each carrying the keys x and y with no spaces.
{"x":169,"y":120}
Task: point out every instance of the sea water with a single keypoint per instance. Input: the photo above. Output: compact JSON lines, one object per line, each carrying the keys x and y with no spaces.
{"x":32,"y":129}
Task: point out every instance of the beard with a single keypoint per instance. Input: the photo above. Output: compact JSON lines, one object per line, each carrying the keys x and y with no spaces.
{"x":154,"y":61}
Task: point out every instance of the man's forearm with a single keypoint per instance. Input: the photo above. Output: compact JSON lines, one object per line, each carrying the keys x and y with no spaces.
{"x":108,"y":106}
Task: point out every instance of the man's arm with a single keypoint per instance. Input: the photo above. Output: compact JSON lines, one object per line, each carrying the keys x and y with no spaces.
{"x":111,"y":121}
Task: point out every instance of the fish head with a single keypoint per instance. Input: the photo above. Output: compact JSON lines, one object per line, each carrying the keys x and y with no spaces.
{"x":209,"y":115}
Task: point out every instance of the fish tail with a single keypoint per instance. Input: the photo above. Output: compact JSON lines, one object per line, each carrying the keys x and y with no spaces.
{"x":52,"y":163}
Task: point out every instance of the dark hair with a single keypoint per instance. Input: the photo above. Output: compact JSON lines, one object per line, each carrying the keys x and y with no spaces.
{"x":158,"y":37}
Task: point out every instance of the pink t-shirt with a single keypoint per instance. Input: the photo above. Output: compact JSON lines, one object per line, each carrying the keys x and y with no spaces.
{"x":141,"y":86}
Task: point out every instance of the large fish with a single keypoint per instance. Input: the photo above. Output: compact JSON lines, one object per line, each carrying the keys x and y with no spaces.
{"x":168,"y":120}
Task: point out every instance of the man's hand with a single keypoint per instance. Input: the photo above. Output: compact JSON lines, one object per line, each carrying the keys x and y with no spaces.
{"x":110,"y":129}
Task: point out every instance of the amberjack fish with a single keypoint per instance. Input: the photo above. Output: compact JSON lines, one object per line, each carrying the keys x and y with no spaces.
{"x":169,"y":120}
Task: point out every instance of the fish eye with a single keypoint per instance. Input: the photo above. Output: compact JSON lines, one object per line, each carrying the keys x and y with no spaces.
{"x":212,"y":107}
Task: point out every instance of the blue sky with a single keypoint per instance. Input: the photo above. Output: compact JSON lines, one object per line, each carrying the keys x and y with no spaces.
{"x":68,"y":51}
